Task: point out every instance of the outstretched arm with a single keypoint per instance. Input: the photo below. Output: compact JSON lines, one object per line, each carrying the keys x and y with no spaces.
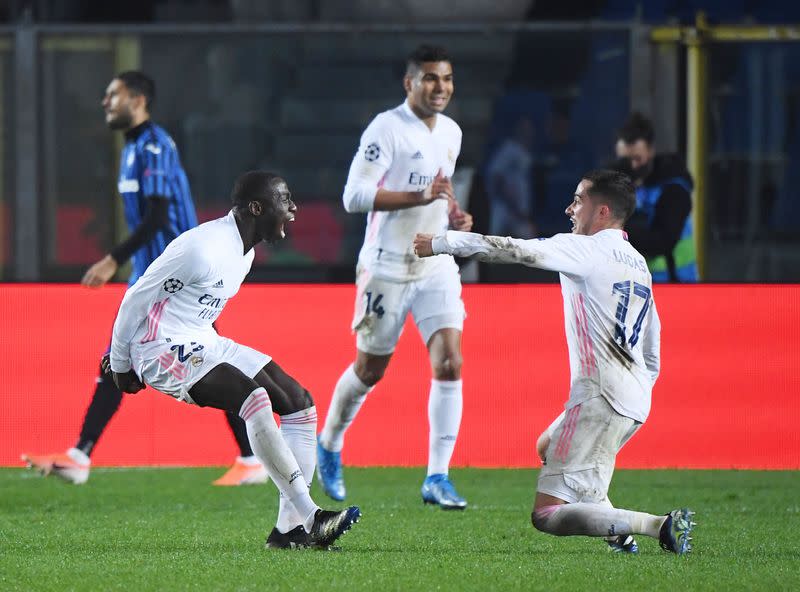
{"x":565,"y":253}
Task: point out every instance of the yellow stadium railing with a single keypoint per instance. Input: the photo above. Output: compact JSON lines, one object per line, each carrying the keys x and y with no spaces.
{"x":697,"y":39}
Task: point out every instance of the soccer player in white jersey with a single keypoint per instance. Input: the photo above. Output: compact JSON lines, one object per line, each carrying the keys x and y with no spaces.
{"x":163,"y":337}
{"x":400,"y":177}
{"x":613,"y":337}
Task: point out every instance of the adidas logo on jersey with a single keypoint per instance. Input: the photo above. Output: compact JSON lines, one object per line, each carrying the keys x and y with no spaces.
{"x":417,"y":156}
{"x":219,"y":284}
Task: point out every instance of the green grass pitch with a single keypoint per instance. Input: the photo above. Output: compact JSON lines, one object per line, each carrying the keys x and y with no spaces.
{"x":169,"y":529}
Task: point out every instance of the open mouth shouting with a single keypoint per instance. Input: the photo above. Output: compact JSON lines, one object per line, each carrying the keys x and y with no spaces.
{"x":288,"y":218}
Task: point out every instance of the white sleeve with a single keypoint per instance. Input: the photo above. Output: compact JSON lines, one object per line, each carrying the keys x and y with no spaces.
{"x":175,"y":262}
{"x":652,"y":343}
{"x":569,"y":254}
{"x":370,"y":163}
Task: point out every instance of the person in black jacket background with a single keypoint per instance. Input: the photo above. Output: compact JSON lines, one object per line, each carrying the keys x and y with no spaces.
{"x":661,"y":227}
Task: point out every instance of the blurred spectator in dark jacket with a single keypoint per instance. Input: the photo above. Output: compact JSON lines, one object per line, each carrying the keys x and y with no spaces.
{"x":661,"y":227}
{"x":509,"y":183}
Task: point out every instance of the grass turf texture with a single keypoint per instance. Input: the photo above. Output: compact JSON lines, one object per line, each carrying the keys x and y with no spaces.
{"x":169,"y":529}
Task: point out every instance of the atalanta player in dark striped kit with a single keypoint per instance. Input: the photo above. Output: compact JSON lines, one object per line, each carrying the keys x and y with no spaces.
{"x":155,"y":193}
{"x":158,"y":207}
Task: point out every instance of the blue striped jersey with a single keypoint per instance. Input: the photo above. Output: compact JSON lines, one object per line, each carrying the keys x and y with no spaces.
{"x":150,"y":166}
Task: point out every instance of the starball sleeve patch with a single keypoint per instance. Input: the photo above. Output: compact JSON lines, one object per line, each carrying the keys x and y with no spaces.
{"x":173,"y":285}
{"x":372,"y":152}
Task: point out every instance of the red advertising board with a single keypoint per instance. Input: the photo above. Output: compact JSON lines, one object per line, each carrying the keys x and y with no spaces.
{"x":728,"y":395}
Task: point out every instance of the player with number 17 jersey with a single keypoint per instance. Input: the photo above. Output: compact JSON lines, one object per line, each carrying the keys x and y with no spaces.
{"x":610,"y":318}
{"x":613,"y":336}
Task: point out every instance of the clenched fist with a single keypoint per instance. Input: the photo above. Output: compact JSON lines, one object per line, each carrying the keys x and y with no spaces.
{"x":127,"y":382}
{"x":423,"y":245}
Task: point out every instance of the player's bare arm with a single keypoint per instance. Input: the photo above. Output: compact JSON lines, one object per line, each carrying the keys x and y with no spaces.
{"x":440,"y":188}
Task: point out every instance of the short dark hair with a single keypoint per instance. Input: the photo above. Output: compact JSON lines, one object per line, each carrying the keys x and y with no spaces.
{"x":425,"y":53}
{"x":615,"y":189}
{"x":636,"y":127}
{"x":139,"y":83}
{"x":253,"y":185}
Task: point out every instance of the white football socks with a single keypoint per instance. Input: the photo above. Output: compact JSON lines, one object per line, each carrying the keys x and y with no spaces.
{"x":348,"y":396}
{"x":445,"y":404}
{"x":273,"y":452}
{"x":605,"y":502}
{"x":595,"y":520}
{"x":299,"y":430}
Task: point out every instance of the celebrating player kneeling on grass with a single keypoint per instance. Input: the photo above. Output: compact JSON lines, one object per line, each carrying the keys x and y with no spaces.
{"x":163,"y":337}
{"x":613,"y":337}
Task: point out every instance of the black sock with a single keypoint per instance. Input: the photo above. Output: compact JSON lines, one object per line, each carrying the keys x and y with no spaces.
{"x":240,"y":433}
{"x":104,"y":405}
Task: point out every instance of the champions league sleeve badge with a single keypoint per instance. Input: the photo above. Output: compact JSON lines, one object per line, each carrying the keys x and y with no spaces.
{"x":373,"y":152}
{"x":173,"y":285}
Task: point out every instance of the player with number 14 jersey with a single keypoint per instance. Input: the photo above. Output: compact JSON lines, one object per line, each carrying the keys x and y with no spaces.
{"x":400,"y":177}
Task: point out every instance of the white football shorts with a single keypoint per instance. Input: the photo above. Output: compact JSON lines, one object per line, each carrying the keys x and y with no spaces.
{"x":382,"y":305}
{"x":582,"y":452}
{"x":173,"y":367}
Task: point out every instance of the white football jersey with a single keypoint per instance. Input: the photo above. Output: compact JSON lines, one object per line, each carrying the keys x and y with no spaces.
{"x":183,"y":291}
{"x":613,"y":329}
{"x":400,"y":153}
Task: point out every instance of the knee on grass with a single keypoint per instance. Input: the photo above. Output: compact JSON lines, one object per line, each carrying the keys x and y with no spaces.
{"x":540,"y":518}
